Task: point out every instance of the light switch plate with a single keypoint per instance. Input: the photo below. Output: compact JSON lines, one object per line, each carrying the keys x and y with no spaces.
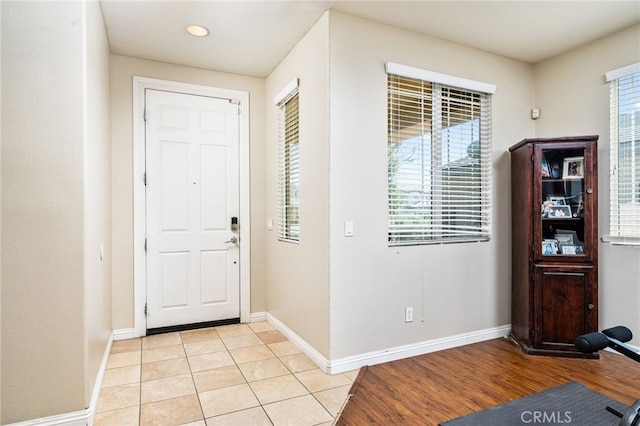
{"x":348,"y":228}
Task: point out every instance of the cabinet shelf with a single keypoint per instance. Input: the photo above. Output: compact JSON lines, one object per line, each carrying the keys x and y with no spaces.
{"x":552,"y":180}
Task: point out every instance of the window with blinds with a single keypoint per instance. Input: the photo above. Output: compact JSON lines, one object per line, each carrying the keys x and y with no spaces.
{"x":439,"y":162}
{"x":625,"y":152}
{"x":289,"y":169}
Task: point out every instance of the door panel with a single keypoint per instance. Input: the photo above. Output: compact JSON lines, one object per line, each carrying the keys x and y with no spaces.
{"x":214,"y":271}
{"x":174,"y":279}
{"x":213,"y":166}
{"x":174,"y":166}
{"x":191,"y":195}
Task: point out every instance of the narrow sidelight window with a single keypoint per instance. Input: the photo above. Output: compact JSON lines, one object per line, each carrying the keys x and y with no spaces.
{"x":289,"y":168}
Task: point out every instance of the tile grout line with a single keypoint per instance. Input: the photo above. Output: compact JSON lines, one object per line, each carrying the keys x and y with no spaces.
{"x":300,"y":382}
{"x":261,"y":405}
{"x":140,"y":387}
{"x":193,"y":380}
{"x":246,"y":381}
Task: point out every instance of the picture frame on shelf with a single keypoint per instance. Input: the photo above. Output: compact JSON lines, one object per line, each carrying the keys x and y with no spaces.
{"x":544,"y":208}
{"x":559,"y":212}
{"x":574,"y":235}
{"x":546,"y":170}
{"x":549,"y":247}
{"x":564,"y":238}
{"x":575,"y":249}
{"x":558,"y":200}
{"x":573,"y":168}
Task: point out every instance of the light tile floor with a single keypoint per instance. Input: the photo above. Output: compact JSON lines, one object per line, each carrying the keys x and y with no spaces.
{"x":243,"y":374}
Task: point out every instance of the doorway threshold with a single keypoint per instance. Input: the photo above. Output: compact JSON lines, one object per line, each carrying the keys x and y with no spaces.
{"x":193,"y":326}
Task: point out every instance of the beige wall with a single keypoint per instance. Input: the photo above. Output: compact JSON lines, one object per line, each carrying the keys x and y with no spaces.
{"x":123,"y":69}
{"x":50,"y":280}
{"x":42,"y":188}
{"x":573,"y":98}
{"x":298,"y":274}
{"x":453,"y":288}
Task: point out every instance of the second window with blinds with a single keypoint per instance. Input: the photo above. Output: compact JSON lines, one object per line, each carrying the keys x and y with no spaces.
{"x":625,"y":155}
{"x":439,"y":162}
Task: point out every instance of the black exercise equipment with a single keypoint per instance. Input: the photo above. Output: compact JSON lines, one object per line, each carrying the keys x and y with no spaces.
{"x":615,"y":338}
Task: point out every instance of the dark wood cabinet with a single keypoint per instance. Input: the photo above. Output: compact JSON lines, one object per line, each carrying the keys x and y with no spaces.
{"x":554,"y":193}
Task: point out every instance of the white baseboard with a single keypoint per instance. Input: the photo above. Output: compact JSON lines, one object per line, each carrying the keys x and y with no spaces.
{"x":354,"y":362}
{"x":97,"y":386}
{"x":76,"y":418}
{"x":300,"y":343}
{"x":124,"y":334}
{"x":258,"y":316}
{"x":84,"y":417}
{"x":341,"y":365}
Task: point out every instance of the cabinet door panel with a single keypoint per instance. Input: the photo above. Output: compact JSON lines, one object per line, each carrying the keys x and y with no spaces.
{"x":565,"y":305}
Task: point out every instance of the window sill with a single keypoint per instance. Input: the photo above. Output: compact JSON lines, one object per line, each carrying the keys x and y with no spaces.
{"x":621,"y":241}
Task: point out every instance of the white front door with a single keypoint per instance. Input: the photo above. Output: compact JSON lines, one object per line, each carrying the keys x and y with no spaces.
{"x":192,"y":194}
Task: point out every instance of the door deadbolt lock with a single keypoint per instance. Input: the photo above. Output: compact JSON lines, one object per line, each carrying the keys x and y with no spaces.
{"x":234,"y":224}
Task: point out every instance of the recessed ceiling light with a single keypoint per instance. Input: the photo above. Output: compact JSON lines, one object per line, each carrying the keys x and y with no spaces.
{"x":198,"y":30}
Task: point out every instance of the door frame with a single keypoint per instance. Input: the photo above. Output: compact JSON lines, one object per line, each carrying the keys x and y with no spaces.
{"x":140,"y":84}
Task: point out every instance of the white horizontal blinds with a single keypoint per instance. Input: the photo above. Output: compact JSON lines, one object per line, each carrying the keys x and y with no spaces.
{"x":439,"y":157}
{"x":409,"y":159}
{"x":289,"y":170}
{"x":625,"y":156}
{"x":465,"y":180}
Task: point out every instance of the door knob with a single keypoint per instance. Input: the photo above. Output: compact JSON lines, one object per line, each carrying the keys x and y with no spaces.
{"x":590,"y":306}
{"x":233,"y":240}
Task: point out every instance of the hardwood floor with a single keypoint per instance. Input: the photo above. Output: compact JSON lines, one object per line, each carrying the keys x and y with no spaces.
{"x":440,"y":386}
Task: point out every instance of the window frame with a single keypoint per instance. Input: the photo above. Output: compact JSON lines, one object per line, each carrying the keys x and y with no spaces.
{"x":425,"y":231}
{"x":287,"y":102}
{"x":619,"y":232}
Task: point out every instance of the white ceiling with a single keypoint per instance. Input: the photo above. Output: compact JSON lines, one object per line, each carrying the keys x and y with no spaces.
{"x":252,"y":37}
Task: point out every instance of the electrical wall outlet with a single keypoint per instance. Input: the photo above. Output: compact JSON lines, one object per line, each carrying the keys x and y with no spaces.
{"x":408,"y":314}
